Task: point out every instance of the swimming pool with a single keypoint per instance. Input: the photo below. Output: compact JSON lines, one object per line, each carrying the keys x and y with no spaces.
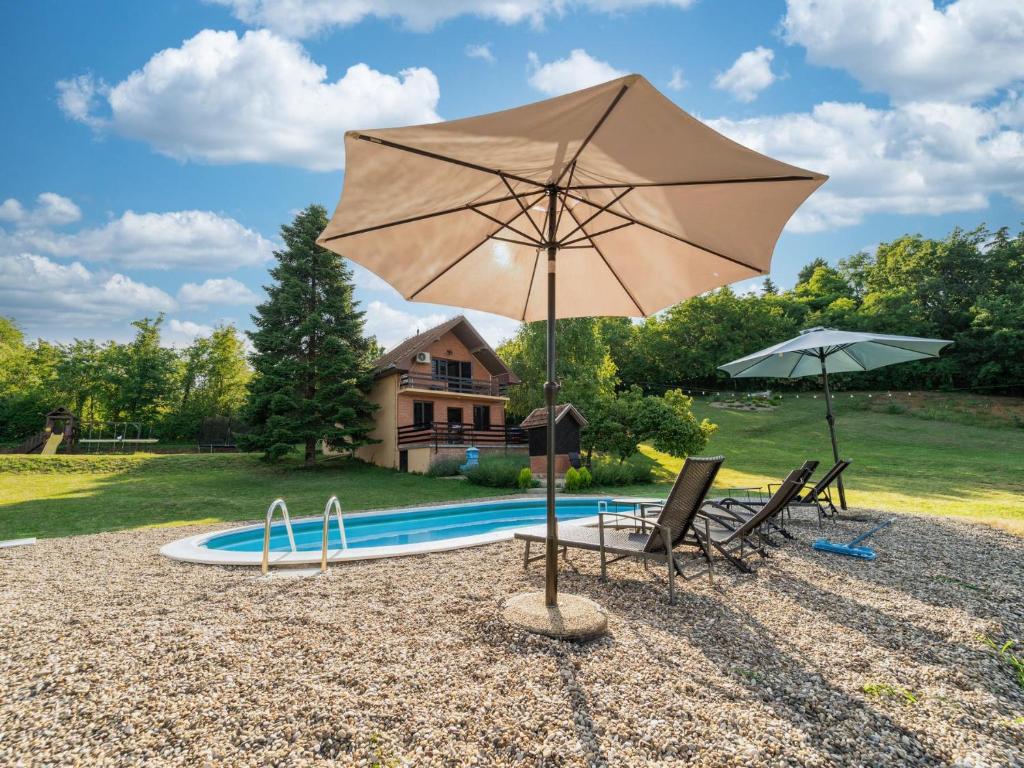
{"x":387,"y":533}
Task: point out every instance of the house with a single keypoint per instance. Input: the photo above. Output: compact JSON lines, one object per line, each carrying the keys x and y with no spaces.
{"x":438,"y":393}
{"x":569,"y":423}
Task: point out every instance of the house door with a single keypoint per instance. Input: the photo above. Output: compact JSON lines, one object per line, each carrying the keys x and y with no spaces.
{"x":403,"y":461}
{"x":455,"y":425}
{"x":482,"y":417}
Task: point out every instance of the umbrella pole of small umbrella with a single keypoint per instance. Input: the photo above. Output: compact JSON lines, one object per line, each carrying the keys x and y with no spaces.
{"x":831,"y":419}
{"x":550,"y":396}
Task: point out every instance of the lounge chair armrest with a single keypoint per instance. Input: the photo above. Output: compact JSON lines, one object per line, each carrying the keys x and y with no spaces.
{"x":645,"y":520}
{"x":728,"y":502}
{"x":720,"y":513}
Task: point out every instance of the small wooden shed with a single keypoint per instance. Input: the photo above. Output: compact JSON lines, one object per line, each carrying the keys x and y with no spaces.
{"x":569,"y":422}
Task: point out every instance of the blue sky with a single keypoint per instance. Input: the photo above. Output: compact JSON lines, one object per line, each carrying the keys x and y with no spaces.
{"x":151,"y":150}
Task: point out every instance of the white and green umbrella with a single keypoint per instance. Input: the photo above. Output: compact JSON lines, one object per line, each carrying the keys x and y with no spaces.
{"x":827,"y":350}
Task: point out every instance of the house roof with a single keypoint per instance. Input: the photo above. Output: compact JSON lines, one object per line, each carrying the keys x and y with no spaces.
{"x":539,"y":416}
{"x":400,"y":358}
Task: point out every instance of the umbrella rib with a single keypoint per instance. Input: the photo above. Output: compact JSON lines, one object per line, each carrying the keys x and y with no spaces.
{"x":793,"y":369}
{"x":455,"y":263}
{"x":848,"y":349}
{"x":608,"y":264}
{"x":674,"y":237}
{"x":693,"y":182}
{"x":905,"y":349}
{"x":496,"y":220}
{"x":572,"y":173}
{"x":598,"y":212}
{"x":523,"y":207}
{"x":594,"y":130}
{"x":528,"y":243}
{"x":571,"y":243}
{"x":445,"y":158}
{"x":529,"y":290}
{"x":421,"y":217}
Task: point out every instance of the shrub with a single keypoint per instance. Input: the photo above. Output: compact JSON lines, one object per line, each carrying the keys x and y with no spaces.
{"x":625,"y":473}
{"x":586,"y":480}
{"x":525,"y":479}
{"x":572,"y":479}
{"x":497,"y":471}
{"x":445,"y":467}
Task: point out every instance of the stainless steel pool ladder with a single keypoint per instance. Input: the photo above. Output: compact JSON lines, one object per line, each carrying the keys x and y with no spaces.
{"x":266,"y":531}
{"x":332,"y":503}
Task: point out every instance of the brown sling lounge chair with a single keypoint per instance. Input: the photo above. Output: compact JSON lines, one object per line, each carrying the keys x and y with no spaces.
{"x":820,"y":496}
{"x":747,"y":509}
{"x":672,"y":527}
{"x":738,"y":537}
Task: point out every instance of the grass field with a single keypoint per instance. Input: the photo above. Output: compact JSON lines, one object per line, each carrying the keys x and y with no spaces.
{"x":923,"y":462}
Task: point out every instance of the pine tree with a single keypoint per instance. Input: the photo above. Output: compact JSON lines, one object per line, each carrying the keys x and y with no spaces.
{"x":312,"y":360}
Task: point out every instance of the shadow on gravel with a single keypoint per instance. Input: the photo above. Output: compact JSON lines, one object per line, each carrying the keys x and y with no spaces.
{"x":937,"y":561}
{"x":808,"y":701}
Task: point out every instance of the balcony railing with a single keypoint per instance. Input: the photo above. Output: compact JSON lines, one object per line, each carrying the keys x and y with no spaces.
{"x":495,"y":386}
{"x":444,"y":433}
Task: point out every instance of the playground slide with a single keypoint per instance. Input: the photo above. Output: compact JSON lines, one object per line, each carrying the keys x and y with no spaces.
{"x":52,"y":442}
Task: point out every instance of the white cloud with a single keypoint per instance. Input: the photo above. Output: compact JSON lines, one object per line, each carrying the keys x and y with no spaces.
{"x":181,"y":333}
{"x":64,"y":300}
{"x":481,"y":51}
{"x":11,"y":210}
{"x":199,"y":239}
{"x":302,"y":18}
{"x":578,"y":70}
{"x":77,"y":96}
{"x":923,"y":158}
{"x":51,"y":209}
{"x":225,"y":291}
{"x":750,"y":74}
{"x":391,"y":325}
{"x":255,"y":99}
{"x":911,"y":49}
{"x":677,"y":82}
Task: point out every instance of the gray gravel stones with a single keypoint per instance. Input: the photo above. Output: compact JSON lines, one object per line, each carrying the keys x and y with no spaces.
{"x":113,"y":655}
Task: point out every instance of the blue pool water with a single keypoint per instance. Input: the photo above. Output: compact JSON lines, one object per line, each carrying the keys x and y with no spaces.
{"x":405,"y":527}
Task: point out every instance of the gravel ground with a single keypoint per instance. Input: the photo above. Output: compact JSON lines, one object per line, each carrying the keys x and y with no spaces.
{"x":113,"y":655}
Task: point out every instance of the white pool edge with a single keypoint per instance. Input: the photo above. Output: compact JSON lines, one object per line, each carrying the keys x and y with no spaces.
{"x":191,"y":550}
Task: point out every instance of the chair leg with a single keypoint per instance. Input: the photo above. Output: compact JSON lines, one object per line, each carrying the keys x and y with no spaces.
{"x":666,"y":536}
{"x":604,"y":558}
{"x":706,"y":545}
{"x":526,"y":557}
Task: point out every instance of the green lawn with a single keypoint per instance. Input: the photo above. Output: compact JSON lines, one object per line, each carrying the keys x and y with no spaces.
{"x":901,"y":462}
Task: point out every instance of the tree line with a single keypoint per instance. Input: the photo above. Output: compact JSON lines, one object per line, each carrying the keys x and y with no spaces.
{"x":169,"y":390}
{"x":309,"y":370}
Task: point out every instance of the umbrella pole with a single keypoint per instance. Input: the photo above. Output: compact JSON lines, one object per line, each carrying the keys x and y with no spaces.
{"x":831,"y":419}
{"x":550,"y":395}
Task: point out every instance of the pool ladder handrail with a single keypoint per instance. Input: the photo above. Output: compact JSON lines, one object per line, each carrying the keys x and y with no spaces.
{"x":265,"y":566}
{"x":336,"y":505}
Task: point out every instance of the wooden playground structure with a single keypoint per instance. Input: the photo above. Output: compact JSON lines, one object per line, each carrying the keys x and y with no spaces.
{"x":64,"y":430}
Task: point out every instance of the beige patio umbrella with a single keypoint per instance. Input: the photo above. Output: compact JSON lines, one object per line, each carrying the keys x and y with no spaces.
{"x":639,"y":204}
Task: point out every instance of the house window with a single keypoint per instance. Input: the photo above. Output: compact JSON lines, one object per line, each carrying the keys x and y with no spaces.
{"x":454,"y":415}
{"x":422,"y":413}
{"x":456,"y":372}
{"x":481,"y":417}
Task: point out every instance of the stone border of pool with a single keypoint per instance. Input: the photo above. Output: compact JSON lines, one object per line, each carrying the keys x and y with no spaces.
{"x":191,"y":549}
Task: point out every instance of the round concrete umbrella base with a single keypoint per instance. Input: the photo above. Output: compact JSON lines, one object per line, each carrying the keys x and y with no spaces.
{"x":574,"y":618}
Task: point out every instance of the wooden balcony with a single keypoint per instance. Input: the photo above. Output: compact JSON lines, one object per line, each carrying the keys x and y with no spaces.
{"x":496,"y":386}
{"x":442,"y":433}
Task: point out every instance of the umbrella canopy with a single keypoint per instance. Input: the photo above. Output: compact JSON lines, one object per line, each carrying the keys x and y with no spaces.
{"x":639,"y":204}
{"x":827,"y":350}
{"x":843,"y":351}
{"x":652,"y":205}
